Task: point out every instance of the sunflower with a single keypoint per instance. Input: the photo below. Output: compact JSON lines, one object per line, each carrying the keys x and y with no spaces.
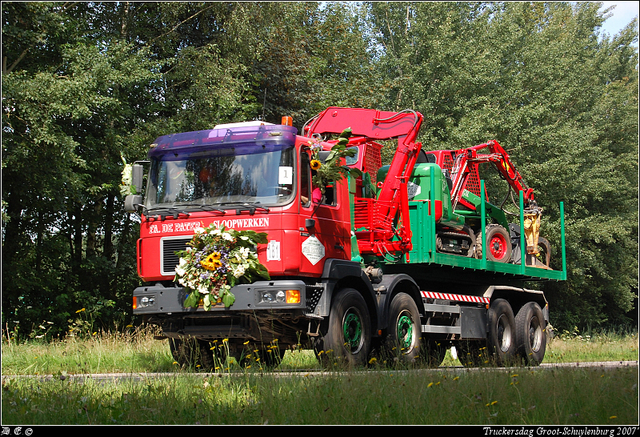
{"x":315,"y":164}
{"x":212,"y":262}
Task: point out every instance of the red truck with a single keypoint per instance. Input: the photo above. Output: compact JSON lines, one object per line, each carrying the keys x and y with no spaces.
{"x":402,"y":260}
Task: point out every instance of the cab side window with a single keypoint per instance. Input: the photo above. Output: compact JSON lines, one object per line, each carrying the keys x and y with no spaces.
{"x":309,"y":192}
{"x":305,"y":178}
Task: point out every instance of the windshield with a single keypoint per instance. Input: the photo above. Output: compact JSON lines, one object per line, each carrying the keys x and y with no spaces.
{"x":230,"y":175}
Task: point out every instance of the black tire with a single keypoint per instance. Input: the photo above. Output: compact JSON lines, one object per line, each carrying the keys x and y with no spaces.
{"x":346,"y":337}
{"x":531,"y":335}
{"x":501,"y":339}
{"x":403,"y":339}
{"x":498,"y":244}
{"x":192,"y":353}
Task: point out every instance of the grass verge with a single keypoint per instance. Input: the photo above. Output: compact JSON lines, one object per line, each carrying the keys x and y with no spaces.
{"x":137,"y":351}
{"x":455,"y":396}
{"x":527,"y":396}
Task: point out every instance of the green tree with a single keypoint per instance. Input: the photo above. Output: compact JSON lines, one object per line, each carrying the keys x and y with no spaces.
{"x":70,"y":100}
{"x":86,"y":84}
{"x":561,"y":100}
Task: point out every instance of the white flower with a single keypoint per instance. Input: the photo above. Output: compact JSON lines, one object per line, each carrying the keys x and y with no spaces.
{"x":125,"y":187}
{"x":239,"y":271}
{"x":198,"y":230}
{"x":242,"y":254}
{"x":227,"y":236}
{"x":202,"y":289}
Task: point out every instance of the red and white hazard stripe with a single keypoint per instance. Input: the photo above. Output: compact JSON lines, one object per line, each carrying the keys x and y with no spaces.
{"x":455,"y":297}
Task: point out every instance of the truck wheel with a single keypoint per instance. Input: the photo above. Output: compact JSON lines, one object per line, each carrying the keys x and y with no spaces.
{"x":347,"y":336}
{"x":501,"y":339}
{"x":403,"y":340}
{"x":498,"y":244}
{"x":531,"y":337}
{"x":191,"y":353}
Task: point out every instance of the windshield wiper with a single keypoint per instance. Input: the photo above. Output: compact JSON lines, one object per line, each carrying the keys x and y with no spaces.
{"x":164,"y":212}
{"x":211,"y":208}
{"x":175,"y":211}
{"x":245,"y":206}
{"x":204,"y":207}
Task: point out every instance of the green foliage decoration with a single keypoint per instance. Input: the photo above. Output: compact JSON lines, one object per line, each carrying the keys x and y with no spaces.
{"x":331,"y":169}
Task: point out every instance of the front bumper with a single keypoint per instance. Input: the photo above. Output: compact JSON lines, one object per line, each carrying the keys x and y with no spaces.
{"x":262,"y":295}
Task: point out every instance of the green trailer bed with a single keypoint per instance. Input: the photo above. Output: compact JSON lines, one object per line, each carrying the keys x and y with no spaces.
{"x":456,"y":268}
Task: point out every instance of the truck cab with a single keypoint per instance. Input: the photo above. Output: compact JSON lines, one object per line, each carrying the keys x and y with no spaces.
{"x":240,"y":177}
{"x":245,"y":176}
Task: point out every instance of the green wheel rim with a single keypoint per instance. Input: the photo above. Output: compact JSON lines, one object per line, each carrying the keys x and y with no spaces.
{"x":405,"y":331}
{"x":352,"y":330}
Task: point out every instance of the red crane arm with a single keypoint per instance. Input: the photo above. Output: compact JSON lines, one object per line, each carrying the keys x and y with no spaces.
{"x":392,"y":197}
{"x":370,"y":123}
{"x":377,"y":125}
{"x":469,"y":157}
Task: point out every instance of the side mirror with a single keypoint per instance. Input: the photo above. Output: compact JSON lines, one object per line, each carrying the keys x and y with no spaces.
{"x":137,"y":172}
{"x":131,"y":202}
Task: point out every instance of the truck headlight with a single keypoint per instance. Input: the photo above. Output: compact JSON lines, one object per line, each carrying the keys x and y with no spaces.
{"x":143,"y":301}
{"x":266,"y":297}
{"x":280,"y":296}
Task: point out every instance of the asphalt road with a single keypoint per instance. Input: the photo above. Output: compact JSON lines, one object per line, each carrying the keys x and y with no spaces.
{"x":312,"y":372}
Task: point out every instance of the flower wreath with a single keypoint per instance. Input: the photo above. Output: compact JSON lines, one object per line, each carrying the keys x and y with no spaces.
{"x":216,"y":260}
{"x":331,"y":170}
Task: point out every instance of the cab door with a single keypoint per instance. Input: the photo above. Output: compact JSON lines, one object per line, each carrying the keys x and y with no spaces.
{"x":325,"y":223}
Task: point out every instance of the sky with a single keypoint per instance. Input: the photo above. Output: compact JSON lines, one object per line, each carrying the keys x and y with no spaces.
{"x":623,"y":13}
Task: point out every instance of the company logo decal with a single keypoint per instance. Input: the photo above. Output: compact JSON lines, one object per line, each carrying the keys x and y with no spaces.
{"x":237,"y":223}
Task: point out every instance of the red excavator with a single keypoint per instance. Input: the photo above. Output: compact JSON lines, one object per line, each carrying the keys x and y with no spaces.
{"x":462,"y":168}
